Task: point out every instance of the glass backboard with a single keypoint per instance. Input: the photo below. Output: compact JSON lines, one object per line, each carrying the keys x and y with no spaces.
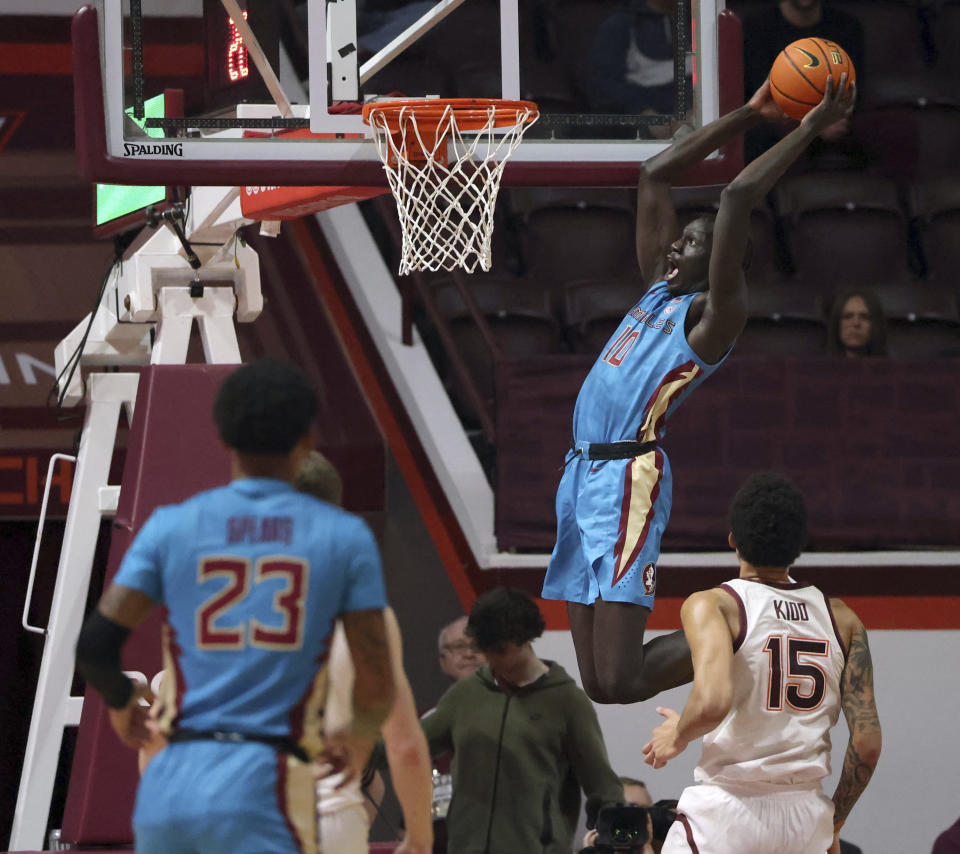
{"x":279,"y":100}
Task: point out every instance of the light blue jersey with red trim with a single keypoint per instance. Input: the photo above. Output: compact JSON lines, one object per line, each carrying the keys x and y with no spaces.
{"x":611,"y":514}
{"x":645,"y":371}
{"x":252,"y":576}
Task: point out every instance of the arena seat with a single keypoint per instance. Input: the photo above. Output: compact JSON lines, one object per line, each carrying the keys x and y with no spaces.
{"x":946,"y":29}
{"x":562,"y":244}
{"x":519,"y":316}
{"x":890,"y":28}
{"x":934,"y":207}
{"x":911,"y":129}
{"x":923,"y":321}
{"x":785,"y":319}
{"x":592,"y":309}
{"x":843,"y":223}
{"x":523,"y":201}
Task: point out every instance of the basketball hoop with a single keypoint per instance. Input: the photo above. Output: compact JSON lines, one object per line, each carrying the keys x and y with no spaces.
{"x":446,"y":183}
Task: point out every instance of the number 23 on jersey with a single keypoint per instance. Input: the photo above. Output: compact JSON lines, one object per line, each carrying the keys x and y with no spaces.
{"x":214,"y":629}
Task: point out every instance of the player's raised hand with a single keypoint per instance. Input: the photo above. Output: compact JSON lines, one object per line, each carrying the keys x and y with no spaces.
{"x":838,"y":102}
{"x":762,"y":103}
{"x":666,"y":742}
{"x":132,"y":722}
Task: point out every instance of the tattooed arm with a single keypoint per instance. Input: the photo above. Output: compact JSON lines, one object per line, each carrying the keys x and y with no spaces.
{"x":373,"y":687}
{"x":860,"y":710}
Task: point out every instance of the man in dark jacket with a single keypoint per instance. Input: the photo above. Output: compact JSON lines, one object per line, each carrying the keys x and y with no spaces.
{"x":525,"y":740}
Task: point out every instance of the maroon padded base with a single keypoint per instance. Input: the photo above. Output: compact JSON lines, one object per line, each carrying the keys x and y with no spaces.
{"x":172,"y":452}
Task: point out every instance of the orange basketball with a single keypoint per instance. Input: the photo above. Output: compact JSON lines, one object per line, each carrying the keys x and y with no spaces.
{"x":799,"y":74}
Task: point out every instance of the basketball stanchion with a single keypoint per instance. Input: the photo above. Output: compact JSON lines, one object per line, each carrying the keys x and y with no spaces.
{"x":444,"y":159}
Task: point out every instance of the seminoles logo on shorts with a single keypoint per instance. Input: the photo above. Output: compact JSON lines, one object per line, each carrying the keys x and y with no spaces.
{"x":649,"y":578}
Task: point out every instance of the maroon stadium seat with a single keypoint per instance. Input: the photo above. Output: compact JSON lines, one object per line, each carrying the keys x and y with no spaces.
{"x":935,"y":208}
{"x":784,"y":320}
{"x":846,"y":224}
{"x":593,"y":308}
{"x":890,"y":28}
{"x":922,"y":321}
{"x":520,"y":318}
{"x":946,"y":31}
{"x":562,"y":244}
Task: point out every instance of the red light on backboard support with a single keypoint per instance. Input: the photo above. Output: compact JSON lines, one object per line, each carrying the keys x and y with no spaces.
{"x":238,"y":64}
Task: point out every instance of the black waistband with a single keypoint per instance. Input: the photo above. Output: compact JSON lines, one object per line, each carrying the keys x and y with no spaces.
{"x":611,"y":450}
{"x":281,"y":743}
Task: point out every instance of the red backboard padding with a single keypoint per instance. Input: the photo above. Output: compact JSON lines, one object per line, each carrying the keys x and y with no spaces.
{"x":173,"y":451}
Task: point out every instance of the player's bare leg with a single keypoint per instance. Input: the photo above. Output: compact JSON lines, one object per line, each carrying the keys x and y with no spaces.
{"x":615,"y":665}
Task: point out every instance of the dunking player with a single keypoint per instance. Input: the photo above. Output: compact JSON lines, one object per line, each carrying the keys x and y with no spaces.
{"x":614,"y":499}
{"x":774,"y":662}
{"x":252,"y":576}
{"x":344,"y":820}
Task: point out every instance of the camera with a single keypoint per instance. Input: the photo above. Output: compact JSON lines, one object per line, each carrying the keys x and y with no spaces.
{"x":623,"y":827}
{"x":662,"y":814}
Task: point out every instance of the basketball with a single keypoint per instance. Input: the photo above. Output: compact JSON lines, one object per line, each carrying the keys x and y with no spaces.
{"x":799,"y":74}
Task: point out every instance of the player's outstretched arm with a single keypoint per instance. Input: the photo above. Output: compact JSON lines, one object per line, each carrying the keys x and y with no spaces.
{"x":711,"y":648}
{"x":725,"y":311}
{"x":656,"y":217}
{"x":407,"y":753}
{"x":373,"y":688}
{"x":860,"y":710}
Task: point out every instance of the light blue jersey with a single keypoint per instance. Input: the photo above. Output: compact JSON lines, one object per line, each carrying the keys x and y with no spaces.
{"x":611,"y":514}
{"x":252,"y":576}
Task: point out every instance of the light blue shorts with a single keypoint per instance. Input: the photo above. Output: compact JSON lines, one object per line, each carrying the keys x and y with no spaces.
{"x":206,"y":797}
{"x":611,"y":515}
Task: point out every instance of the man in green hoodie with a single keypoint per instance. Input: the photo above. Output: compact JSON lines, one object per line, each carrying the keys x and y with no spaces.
{"x":525,"y":740}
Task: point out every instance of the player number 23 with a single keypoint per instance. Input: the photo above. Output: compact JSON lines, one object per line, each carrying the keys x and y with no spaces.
{"x":805,"y":681}
{"x":213,"y":630}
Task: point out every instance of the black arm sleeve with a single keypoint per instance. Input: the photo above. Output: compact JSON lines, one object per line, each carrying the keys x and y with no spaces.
{"x":98,"y":659}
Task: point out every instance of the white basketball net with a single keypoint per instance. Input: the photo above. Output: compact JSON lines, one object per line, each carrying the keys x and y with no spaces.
{"x":446,"y":208}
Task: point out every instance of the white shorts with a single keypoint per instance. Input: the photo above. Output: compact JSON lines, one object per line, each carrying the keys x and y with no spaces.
{"x":344,"y":823}
{"x":345,"y":831}
{"x":713,"y":820}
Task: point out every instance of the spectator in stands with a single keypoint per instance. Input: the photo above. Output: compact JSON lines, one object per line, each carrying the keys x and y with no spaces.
{"x":858,"y":325}
{"x":770,"y":29}
{"x":631,"y":64}
{"x":525,"y":739}
{"x":457,"y":654}
{"x":948,"y":842}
